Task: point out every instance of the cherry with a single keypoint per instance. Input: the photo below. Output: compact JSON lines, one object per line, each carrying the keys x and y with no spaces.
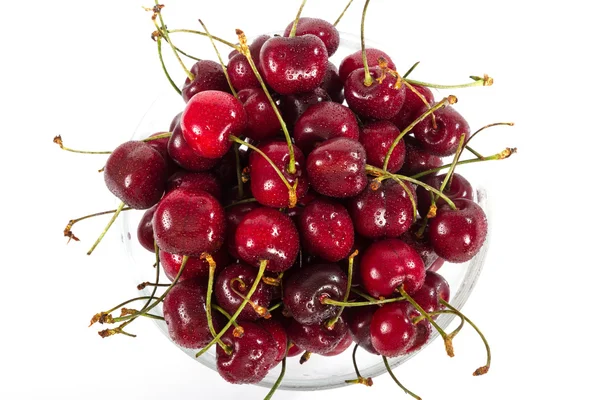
{"x":333,"y":84}
{"x":320,"y":28}
{"x":437,"y":264}
{"x":354,"y":61}
{"x":392,"y":330}
{"x":262,"y":120}
{"x":457,"y":235}
{"x":161,"y":145}
{"x":275,"y":328}
{"x":384,"y":212}
{"x":226,"y":168}
{"x":175,"y":121}
{"x":324,"y":121}
{"x":294,"y":105}
{"x":267,"y":234}
{"x":434,"y":287}
{"x":240,"y":73}
{"x":189,"y":222}
{"x":359,"y":324}
{"x":266,"y":185}
{"x":184,"y":156}
{"x":208,"y":120}
{"x":293,"y":65}
{"x":136,"y":173}
{"x":232,"y":283}
{"x":417,"y":160}
{"x":317,"y":338}
{"x":442,"y":139}
{"x":252,"y":354}
{"x":413,"y":107}
{"x":326,"y":230}
{"x":184,"y":309}
{"x":195,"y":181}
{"x":208,"y":75}
{"x":234,"y":215}
{"x":378,"y":100}
{"x":423,"y":327}
{"x":341,"y":346}
{"x":195,"y":267}
{"x":457,"y":188}
{"x":305,"y":287}
{"x":145,"y":232}
{"x":294,"y":351}
{"x":388,"y":264}
{"x":337,"y":168}
{"x":377,"y":137}
{"x":420,"y":242}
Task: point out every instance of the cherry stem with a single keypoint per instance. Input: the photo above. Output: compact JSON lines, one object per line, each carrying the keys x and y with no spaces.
{"x":359,"y":378}
{"x":163,"y":31}
{"x":163,"y":135}
{"x":329,"y":325}
{"x":276,"y":306}
{"x":281,"y":374}
{"x":387,"y":366}
{"x":212,"y":266}
{"x":337,"y":21}
{"x":295,"y":25}
{"x":249,"y":200}
{"x":187,"y":55}
{"x":368,"y":79}
{"x":238,"y":170}
{"x":225,"y":314}
{"x":472,"y":151}
{"x":261,"y":271}
{"x":441,"y":104}
{"x":447,"y":340}
{"x":291,"y":189}
{"x":67,"y":231}
{"x":482,"y":129}
{"x":143,"y":285}
{"x":105,"y":317}
{"x":410,"y":70}
{"x":164,"y":67}
{"x":481,"y":370}
{"x":477,"y":81}
{"x":59,"y":142}
{"x":218,"y":39}
{"x":112,"y":220}
{"x":363,"y":294}
{"x":326,"y":300}
{"x":305,"y":357}
{"x":260,"y":310}
{"x":409,"y":193}
{"x":246,"y":51}
{"x":212,"y":41}
{"x":448,"y":178}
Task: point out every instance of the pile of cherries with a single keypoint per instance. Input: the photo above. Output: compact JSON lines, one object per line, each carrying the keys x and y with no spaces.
{"x":298,"y":207}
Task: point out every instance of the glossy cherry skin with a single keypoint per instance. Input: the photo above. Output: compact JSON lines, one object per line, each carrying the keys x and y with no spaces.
{"x":359,"y":324}
{"x":388,"y":264}
{"x":208,"y":75}
{"x":442,"y":140}
{"x":423,"y":328}
{"x":234,"y":215}
{"x":413,"y":106}
{"x":420,"y":243}
{"x":240,"y":73}
{"x":377,"y":101}
{"x":275,"y":328}
{"x":434,"y":287}
{"x":354,"y":61}
{"x":253,"y":354}
{"x":341,"y":346}
{"x":385,"y":212}
{"x":205,"y":181}
{"x":392,"y":330}
{"x":137,"y":174}
{"x":457,"y":235}
{"x":161,"y":145}
{"x":208,"y":120}
{"x":189,"y":222}
{"x":333,"y":84}
{"x":145,"y":231}
{"x":184,"y":156}
{"x":320,"y":28}
{"x":323,"y":121}
{"x":418,"y":160}
{"x":294,"y":65}
{"x":305,"y":287}
{"x":377,"y":137}
{"x":226,"y":288}
{"x":294,"y":105}
{"x":184,"y":308}
{"x":195,"y":267}
{"x":267,"y":234}
{"x":266,"y":184}
{"x":457,"y":188}
{"x":317,"y":338}
{"x":337,"y":168}
{"x":262,"y":120}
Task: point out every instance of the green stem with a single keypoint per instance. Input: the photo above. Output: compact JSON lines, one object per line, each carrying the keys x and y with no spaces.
{"x":475,"y":153}
{"x":498,"y":156}
{"x":359,"y":378}
{"x":295,"y":25}
{"x":276,"y":306}
{"x":363,"y":294}
{"x":337,"y":21}
{"x":281,"y":374}
{"x":331,"y":323}
{"x":218,"y":39}
{"x":368,"y":78}
{"x":211,"y":278}
{"x":163,"y":135}
{"x":164,"y":67}
{"x":485,"y":81}
{"x":59,"y":142}
{"x":450,"y":172}
{"x":410,"y":70}
{"x":482,"y":129}
{"x":360,"y":303}
{"x":387,"y":366}
{"x":212,"y":41}
{"x":162,"y":29}
{"x":187,"y":55}
{"x":112,"y":220}
{"x":238,"y":170}
{"x":225,"y":313}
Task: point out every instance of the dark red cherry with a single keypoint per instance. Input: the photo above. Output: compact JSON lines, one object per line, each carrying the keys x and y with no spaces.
{"x":184,"y":308}
{"x":354,"y":61}
{"x":413,"y":106}
{"x":293,"y":65}
{"x":208,"y":120}
{"x":275,"y":328}
{"x":305,"y":287}
{"x":323,"y":121}
{"x":423,"y":328}
{"x":229,"y":291}
{"x":294,"y":105}
{"x":262,"y":120}
{"x":252,"y":354}
{"x":189,"y":222}
{"x":444,"y":138}
{"x":175,"y":121}
{"x":234,"y":215}
{"x":434,"y":287}
{"x":294,"y":351}
{"x":145,"y":232}
{"x":337,"y":168}
{"x":457,"y":188}
{"x":388,"y":264}
{"x":195,"y":267}
{"x":320,"y":28}
{"x":457,"y":235}
{"x":377,"y":101}
{"x":317,"y":338}
{"x":184,"y":156}
{"x":326,"y":230}
{"x":385,"y":212}
{"x":226,"y":168}
{"x":420,"y":242}
{"x":377,"y":137}
{"x":418,"y":160}
{"x":341,"y":346}
{"x":359,"y":324}
{"x":240,"y":73}
{"x":137,"y":174}
{"x":266,"y":184}
{"x":208,"y":75}
{"x":195,"y":181}
{"x":392,"y":330}
{"x":161,"y":145}
{"x":267,"y":234}
{"x":437,"y":264}
{"x":333,"y":84}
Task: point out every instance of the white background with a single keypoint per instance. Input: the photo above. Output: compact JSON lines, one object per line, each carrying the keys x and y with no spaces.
{"x":89,"y":71}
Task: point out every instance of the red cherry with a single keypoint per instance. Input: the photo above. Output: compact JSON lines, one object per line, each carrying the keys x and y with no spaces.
{"x":240,"y":73}
{"x":227,"y":291}
{"x":145,"y":231}
{"x":320,"y":28}
{"x":195,"y":267}
{"x":420,"y":242}
{"x":195,"y":181}
{"x":341,"y":346}
{"x":234,"y":215}
{"x":208,"y":75}
{"x":294,"y":351}
{"x":444,"y":138}
{"x":161,"y":145}
{"x":275,"y":328}
{"x":379,"y":100}
{"x":377,"y":137}
{"x":181,"y":152}
{"x":333,"y":84}
{"x":354,"y":61}
{"x":294,"y":105}
{"x":434,"y":288}
{"x":457,"y":188}
{"x":418,"y":160}
{"x":413,"y":107}
{"x":317,"y":338}
{"x":262,"y":120}
{"x":359,"y":324}
{"x":392,"y":330}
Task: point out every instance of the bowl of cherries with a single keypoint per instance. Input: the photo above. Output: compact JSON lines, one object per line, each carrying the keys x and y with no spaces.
{"x":294,"y":210}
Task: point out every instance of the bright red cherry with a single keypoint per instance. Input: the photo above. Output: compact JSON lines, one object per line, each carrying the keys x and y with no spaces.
{"x":359,"y":324}
{"x":262,"y":120}
{"x":234,"y":215}
{"x":377,"y":137}
{"x":208,"y":75}
{"x":378,"y":100}
{"x":322,"y":29}
{"x":392,"y":330}
{"x":434,"y":288}
{"x":240,"y":73}
{"x":184,"y":156}
{"x":354,"y":61}
{"x":444,"y":138}
{"x":195,"y":267}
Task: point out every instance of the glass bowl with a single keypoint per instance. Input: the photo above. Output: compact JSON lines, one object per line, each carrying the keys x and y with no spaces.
{"x":321,"y":372}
